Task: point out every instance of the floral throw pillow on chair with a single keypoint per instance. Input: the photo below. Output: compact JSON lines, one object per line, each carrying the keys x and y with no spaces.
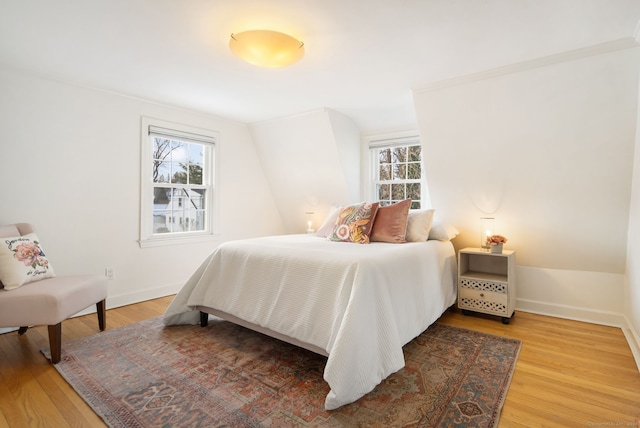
{"x":22,"y":261}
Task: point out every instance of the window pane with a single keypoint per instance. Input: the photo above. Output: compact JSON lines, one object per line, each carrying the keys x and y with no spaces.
{"x":196,"y":154}
{"x":161,"y":198}
{"x":197,"y":199}
{"x":413,"y":171}
{"x":397,"y":192}
{"x":415,"y":153}
{"x":193,"y":220}
{"x":161,"y":171}
{"x":178,"y":151}
{"x":161,"y":222}
{"x":400,"y":154}
{"x":400,"y":172}
{"x":415,"y":205}
{"x":413,"y":191}
{"x":385,"y":172}
{"x":384,"y":192}
{"x":384,"y":156}
{"x":161,"y":148}
{"x":179,"y":170}
{"x":195,"y":174}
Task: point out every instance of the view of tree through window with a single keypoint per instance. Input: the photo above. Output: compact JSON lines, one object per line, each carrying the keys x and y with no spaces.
{"x":398,"y":175}
{"x":178,"y":194}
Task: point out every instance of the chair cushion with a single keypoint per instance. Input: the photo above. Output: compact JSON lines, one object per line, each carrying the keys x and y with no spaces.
{"x":51,"y":300}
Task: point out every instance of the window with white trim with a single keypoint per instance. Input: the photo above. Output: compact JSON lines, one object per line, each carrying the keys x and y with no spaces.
{"x":178,"y":172}
{"x":397,"y":170}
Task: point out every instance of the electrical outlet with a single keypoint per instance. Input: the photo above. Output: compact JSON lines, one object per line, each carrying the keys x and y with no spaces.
{"x":109,"y":273}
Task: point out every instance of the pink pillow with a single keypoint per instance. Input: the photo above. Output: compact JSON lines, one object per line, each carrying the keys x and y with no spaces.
{"x":354,"y":223}
{"x":390,"y":224}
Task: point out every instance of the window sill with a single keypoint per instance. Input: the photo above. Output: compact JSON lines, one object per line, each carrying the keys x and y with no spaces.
{"x":177,"y":240}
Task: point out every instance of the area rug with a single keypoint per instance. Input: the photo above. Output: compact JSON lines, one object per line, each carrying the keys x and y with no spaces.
{"x":149,"y":375}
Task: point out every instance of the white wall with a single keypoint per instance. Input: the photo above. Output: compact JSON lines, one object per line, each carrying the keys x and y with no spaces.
{"x":632,"y":279}
{"x":70,"y":164}
{"x":312,"y":161}
{"x":547,"y":149}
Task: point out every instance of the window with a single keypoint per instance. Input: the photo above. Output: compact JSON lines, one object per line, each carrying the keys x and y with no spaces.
{"x":397,"y":170}
{"x":177,"y":183}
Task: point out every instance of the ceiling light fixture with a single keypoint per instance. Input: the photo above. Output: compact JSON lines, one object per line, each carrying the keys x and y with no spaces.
{"x":266,"y":48}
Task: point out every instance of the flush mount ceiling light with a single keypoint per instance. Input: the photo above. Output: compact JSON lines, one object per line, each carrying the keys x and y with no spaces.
{"x":266,"y":48}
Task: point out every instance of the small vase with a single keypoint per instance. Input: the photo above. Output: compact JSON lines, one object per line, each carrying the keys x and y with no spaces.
{"x":496,"y":249}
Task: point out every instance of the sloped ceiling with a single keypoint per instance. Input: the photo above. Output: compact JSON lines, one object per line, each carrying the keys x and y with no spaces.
{"x":363,"y":58}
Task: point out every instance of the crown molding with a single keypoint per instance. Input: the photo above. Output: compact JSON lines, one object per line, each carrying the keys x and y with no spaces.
{"x":599,"y":49}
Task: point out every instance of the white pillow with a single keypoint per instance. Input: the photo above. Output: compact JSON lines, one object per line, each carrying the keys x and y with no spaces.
{"x":22,"y":261}
{"x":329,"y":222}
{"x":419,"y":225}
{"x":443,"y":232}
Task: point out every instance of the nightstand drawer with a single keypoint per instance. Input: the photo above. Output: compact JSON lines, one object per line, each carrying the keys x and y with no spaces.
{"x":483,"y":301}
{"x":482,"y":285}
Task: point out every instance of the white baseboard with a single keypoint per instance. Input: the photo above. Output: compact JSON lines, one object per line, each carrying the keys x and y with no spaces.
{"x":135,"y":297}
{"x":572,"y":312}
{"x":633,"y":338}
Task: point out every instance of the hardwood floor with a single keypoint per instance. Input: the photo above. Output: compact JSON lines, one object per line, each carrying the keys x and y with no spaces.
{"x":569,"y":374}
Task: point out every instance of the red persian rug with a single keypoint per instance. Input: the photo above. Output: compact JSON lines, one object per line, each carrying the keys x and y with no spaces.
{"x":148,"y":375}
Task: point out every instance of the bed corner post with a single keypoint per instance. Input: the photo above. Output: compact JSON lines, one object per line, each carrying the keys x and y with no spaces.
{"x":204,"y":319}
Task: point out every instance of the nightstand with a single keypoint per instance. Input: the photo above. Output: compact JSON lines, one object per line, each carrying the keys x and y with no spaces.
{"x":487,"y":282}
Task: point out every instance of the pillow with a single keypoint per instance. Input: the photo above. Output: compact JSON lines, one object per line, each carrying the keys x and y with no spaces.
{"x":354,"y":223}
{"x":22,"y":261}
{"x":329,"y":222}
{"x":390,"y":224}
{"x":419,"y":225}
{"x":443,"y":232}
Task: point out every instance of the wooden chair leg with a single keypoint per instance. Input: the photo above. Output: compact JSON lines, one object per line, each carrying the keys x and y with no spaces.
{"x":55,"y":342}
{"x":101,"y":308}
{"x":22,"y":330}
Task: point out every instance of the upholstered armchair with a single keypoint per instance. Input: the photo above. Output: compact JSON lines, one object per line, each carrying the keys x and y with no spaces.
{"x":31,"y":294}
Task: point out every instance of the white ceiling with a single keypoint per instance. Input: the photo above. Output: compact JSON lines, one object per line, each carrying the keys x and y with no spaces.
{"x":363,"y":57}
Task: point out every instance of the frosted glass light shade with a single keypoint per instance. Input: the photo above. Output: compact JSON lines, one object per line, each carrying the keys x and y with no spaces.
{"x":266,"y":48}
{"x":487,"y":228}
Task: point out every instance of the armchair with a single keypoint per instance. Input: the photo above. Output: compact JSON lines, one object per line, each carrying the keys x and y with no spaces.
{"x":51,"y":300}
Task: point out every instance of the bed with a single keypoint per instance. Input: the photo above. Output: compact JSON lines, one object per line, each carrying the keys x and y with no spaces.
{"x":356,"y":304}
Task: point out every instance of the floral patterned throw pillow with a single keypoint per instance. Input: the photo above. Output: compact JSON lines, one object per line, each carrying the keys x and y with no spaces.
{"x":22,"y":261}
{"x":354,"y":223}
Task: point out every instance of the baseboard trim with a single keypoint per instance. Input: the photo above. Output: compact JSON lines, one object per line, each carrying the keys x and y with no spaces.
{"x":572,"y":312}
{"x":633,"y":338}
{"x":136,"y":297}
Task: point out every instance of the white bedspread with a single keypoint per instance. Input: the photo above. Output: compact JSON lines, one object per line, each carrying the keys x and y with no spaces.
{"x":360,"y":303}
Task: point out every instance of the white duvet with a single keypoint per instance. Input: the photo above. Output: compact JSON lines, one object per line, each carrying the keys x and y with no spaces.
{"x":359,"y":302}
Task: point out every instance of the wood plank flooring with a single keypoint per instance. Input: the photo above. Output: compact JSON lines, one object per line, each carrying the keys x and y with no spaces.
{"x":569,"y":374}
